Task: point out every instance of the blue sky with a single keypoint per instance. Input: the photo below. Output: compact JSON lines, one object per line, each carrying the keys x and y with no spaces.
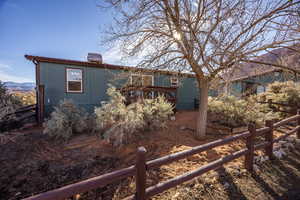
{"x":52,"y":28}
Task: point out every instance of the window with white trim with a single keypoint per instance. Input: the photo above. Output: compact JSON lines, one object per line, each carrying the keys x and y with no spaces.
{"x":260,"y":89}
{"x":141,"y":80}
{"x":74,"y":80}
{"x":174,"y":81}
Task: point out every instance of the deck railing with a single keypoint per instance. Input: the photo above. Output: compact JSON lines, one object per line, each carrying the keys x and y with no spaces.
{"x":133,"y":93}
{"x":140,"y":168}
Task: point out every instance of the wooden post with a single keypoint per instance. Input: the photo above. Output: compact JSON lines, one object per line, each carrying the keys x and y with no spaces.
{"x":298,"y":132}
{"x":270,"y":104}
{"x":250,"y":146}
{"x":269,"y":138}
{"x":141,"y":174}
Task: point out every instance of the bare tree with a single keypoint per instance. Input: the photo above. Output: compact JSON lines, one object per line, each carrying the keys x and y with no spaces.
{"x":206,"y":37}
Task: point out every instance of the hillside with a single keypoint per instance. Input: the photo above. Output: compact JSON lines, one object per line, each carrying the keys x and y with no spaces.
{"x":13,"y":86}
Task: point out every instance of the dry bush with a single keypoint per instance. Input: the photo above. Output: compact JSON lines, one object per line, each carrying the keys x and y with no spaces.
{"x":26,"y":98}
{"x":120,"y":123}
{"x":282,"y":92}
{"x":234,"y":112}
{"x":287,"y":93}
{"x":8,"y":105}
{"x":66,"y":120}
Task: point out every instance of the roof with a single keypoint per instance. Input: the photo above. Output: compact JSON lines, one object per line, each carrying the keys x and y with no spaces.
{"x":103,"y":65}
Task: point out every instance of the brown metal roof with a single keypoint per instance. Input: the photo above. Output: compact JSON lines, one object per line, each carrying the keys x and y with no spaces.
{"x":102,"y":65}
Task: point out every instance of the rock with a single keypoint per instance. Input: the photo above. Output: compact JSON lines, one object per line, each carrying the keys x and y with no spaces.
{"x":278,"y":154}
{"x":18,"y":193}
{"x":276,"y":146}
{"x":290,"y":139}
{"x":282,"y":142}
{"x":256,"y":168}
{"x":260,"y":159}
{"x":226,"y":185}
{"x":244,"y":171}
{"x":289,"y":145}
{"x":264,"y":158}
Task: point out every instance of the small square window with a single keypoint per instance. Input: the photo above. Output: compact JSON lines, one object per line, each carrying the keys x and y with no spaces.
{"x":174,"y":81}
{"x":74,"y":80}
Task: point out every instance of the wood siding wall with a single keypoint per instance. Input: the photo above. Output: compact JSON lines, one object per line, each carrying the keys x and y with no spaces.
{"x":95,"y":84}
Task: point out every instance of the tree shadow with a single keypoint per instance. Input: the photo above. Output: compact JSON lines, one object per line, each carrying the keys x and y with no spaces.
{"x":285,"y":185}
{"x":230,"y":187}
{"x":265,"y":186}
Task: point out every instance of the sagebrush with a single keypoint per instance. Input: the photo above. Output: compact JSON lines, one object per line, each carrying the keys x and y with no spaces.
{"x":234,"y":112}
{"x":282,"y":92}
{"x":8,"y":105}
{"x":66,"y":120}
{"x":120,"y":123}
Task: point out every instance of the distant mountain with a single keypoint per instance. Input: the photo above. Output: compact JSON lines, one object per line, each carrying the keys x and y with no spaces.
{"x":13,"y":86}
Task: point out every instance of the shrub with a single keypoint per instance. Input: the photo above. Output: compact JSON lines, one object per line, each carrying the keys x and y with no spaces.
{"x":66,"y":120}
{"x":282,"y":92}
{"x":8,"y":105}
{"x":156,"y":112}
{"x":120,"y":123}
{"x":26,"y":98}
{"x":234,"y":112}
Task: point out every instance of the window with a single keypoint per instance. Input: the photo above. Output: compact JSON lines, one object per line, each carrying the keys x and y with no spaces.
{"x":147,"y":80}
{"x":74,"y":80}
{"x":260,"y":89}
{"x":174,"y":81}
{"x":141,"y":80}
{"x":136,"y":80}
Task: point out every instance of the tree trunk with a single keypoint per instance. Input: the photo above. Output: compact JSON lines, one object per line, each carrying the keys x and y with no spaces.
{"x":202,"y":116}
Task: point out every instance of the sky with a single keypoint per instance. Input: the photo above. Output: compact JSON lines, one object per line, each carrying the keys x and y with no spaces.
{"x":66,"y":29}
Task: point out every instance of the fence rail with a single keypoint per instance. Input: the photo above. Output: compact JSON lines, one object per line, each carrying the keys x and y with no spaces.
{"x":17,"y":118}
{"x":281,"y":107}
{"x":140,"y":168}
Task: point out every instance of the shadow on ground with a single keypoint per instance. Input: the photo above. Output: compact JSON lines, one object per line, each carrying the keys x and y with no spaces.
{"x":276,"y":179}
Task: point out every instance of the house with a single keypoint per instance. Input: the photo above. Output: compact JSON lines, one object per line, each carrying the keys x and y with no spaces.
{"x":86,"y":82}
{"x":252,"y":78}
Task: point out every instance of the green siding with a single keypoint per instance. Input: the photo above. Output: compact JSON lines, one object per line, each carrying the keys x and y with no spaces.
{"x":95,"y":84}
{"x":236,"y":87}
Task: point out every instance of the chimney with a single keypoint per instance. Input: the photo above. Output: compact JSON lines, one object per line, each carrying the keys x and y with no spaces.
{"x":94,"y":57}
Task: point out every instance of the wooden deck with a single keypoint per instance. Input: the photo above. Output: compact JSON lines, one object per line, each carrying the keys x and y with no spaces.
{"x":134,"y":93}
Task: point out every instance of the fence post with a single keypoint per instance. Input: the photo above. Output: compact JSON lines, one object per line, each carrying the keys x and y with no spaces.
{"x":298,"y":132}
{"x":250,"y":146}
{"x":141,"y":173}
{"x":269,"y":138}
{"x":270,"y":102}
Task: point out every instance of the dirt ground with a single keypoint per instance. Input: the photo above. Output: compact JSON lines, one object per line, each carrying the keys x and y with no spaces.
{"x":32,"y":163}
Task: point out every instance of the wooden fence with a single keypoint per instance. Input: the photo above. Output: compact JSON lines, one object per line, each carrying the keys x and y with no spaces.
{"x":20,"y":115}
{"x":140,"y":168}
{"x":281,"y":107}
